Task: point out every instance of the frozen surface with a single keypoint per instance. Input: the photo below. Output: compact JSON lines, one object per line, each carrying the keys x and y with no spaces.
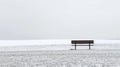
{"x":57,"y":53}
{"x":60,"y":58}
{"x":57,"y":44}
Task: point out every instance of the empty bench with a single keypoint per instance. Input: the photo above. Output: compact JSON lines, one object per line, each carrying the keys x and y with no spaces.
{"x":82,"y":42}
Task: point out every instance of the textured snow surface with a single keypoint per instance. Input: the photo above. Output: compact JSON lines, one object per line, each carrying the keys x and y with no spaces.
{"x":60,"y":58}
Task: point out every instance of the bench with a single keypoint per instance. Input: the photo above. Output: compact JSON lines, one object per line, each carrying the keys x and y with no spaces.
{"x":81,"y":42}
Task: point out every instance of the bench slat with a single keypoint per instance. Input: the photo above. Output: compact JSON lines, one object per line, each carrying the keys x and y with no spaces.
{"x":82,"y":41}
{"x":82,"y":45}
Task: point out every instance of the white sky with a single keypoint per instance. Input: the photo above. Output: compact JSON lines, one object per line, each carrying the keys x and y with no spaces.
{"x":59,"y":19}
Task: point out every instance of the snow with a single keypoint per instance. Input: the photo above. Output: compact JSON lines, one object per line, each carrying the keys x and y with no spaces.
{"x":54,"y":44}
{"x":62,"y":58}
{"x":57,"y":53}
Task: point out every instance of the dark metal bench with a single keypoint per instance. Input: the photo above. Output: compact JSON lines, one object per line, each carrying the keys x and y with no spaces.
{"x":80,"y":42}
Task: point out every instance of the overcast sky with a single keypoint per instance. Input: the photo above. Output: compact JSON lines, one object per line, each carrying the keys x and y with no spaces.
{"x":59,"y":19}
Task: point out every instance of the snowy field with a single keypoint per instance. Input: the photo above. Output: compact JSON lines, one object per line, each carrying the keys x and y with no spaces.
{"x":57,"y":44}
{"x":57,"y":53}
{"x":60,"y":58}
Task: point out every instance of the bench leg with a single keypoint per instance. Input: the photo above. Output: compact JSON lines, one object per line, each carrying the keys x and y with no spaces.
{"x":89,"y":46}
{"x":75,"y":46}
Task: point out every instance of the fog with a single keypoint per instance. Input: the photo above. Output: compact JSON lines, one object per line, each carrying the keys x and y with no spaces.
{"x":59,"y":19}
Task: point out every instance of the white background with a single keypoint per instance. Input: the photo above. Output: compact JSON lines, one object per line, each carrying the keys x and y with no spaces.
{"x":59,"y":19}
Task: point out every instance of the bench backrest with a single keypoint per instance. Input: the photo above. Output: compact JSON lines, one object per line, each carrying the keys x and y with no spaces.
{"x":82,"y":41}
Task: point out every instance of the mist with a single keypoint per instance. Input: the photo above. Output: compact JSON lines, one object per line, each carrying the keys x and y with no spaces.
{"x":59,"y":19}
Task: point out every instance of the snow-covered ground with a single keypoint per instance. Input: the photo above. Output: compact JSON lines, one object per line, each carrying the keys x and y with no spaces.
{"x":61,"y":58}
{"x":56,"y":44}
{"x":57,"y":53}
